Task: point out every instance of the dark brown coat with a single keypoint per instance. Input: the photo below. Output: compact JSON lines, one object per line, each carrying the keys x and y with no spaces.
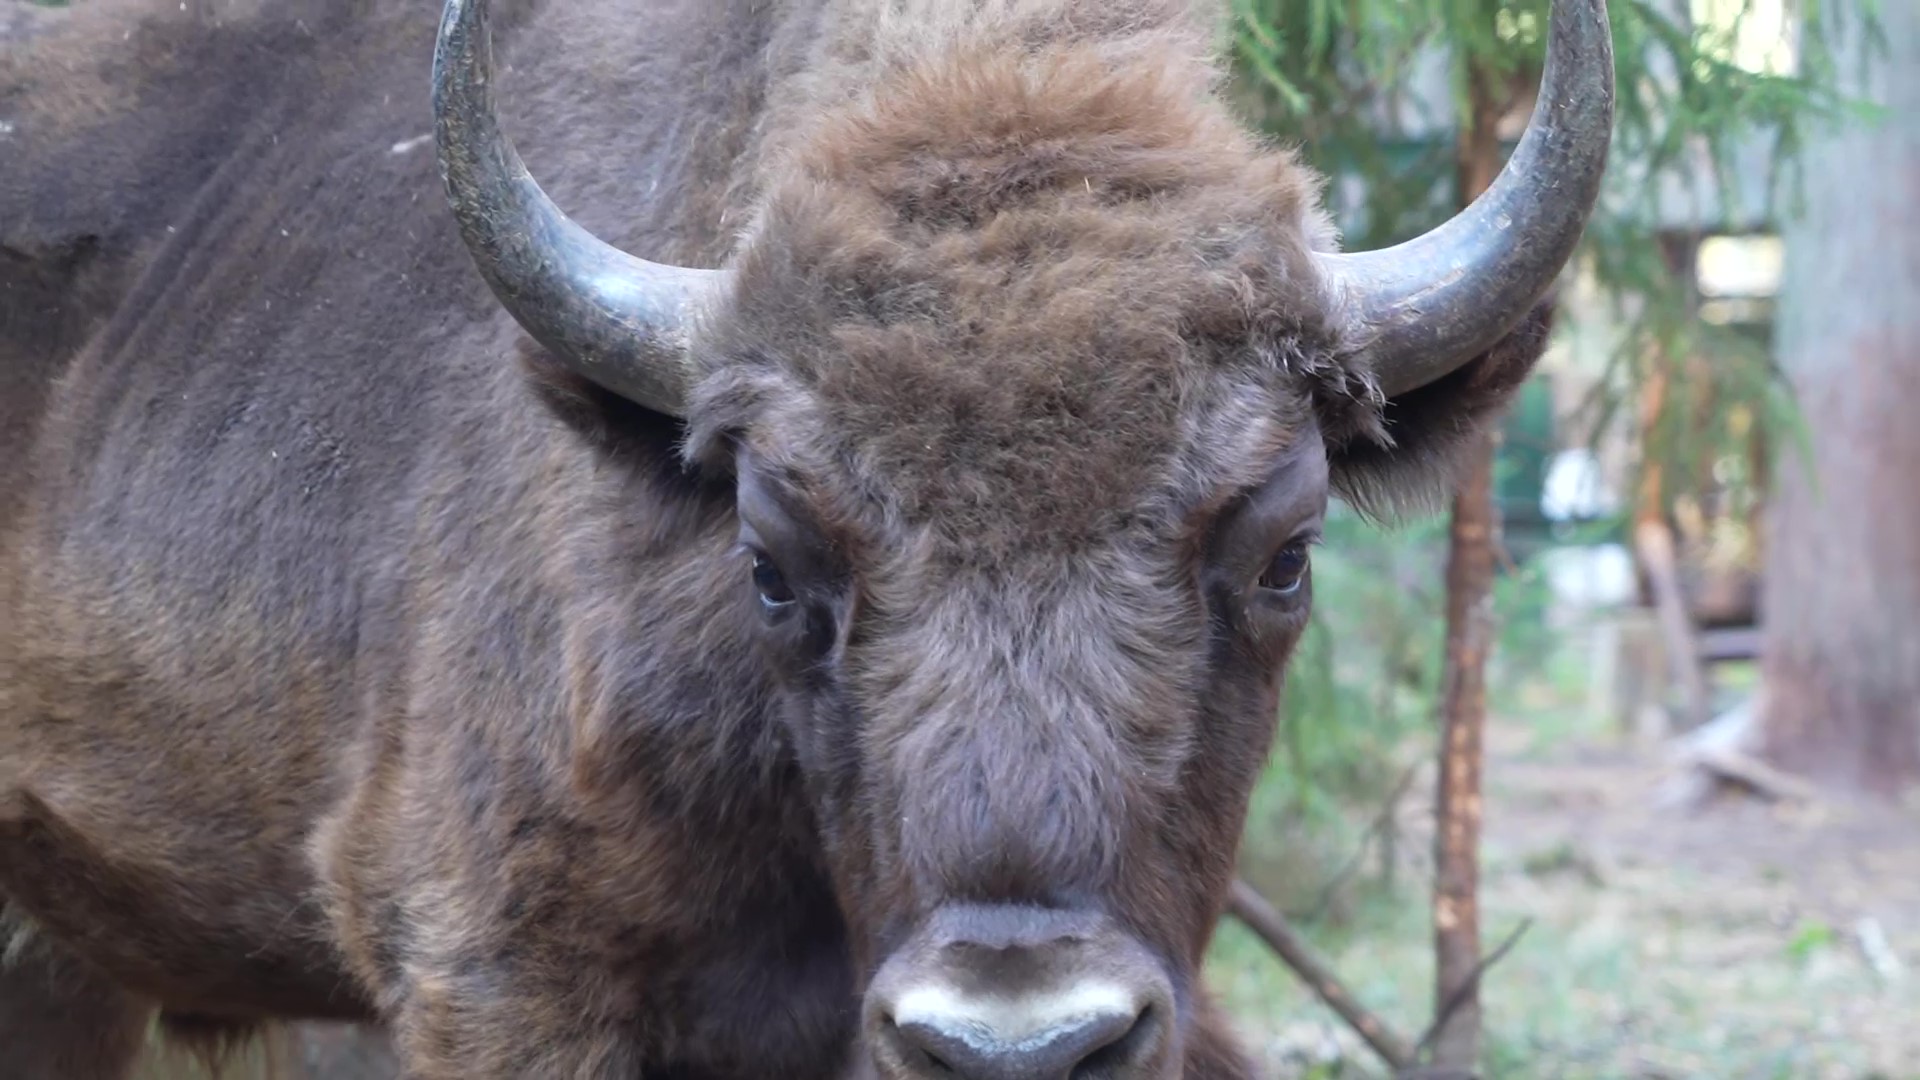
{"x":357,"y":662}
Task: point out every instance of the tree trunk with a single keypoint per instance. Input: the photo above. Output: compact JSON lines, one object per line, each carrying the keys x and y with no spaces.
{"x":1472,"y":542}
{"x":1841,"y":652}
{"x":1456,"y":886}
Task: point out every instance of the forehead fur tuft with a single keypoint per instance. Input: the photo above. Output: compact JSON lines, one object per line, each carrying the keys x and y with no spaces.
{"x":1016,"y":293}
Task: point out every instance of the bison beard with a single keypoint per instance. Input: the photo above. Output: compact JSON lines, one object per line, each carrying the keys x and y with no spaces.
{"x":850,"y":661}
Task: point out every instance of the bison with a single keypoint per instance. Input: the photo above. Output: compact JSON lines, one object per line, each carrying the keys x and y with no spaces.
{"x":842,"y":649}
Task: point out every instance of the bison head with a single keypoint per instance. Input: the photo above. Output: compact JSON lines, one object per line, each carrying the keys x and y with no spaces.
{"x":1035,"y":372}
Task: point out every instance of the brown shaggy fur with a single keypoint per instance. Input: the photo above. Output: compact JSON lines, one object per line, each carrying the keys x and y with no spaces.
{"x":356,"y":661}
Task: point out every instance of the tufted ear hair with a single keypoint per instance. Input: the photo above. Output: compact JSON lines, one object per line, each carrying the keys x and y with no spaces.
{"x":1405,"y":458}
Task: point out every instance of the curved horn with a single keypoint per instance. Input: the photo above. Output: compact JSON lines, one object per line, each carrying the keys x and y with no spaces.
{"x":1425,"y":307}
{"x":616,"y":319}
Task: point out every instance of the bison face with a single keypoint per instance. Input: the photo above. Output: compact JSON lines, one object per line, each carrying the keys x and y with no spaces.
{"x":1034,"y":370}
{"x":1030,"y":772}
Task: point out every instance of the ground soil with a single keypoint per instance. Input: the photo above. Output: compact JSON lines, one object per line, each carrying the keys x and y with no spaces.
{"x":1732,"y":939}
{"x":1795,"y":927}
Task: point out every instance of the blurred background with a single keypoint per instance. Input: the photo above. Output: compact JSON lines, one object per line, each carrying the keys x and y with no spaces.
{"x":1702,"y":695}
{"x":1698,"y":702}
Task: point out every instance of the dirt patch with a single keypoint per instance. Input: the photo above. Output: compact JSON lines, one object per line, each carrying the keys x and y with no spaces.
{"x":1790,"y":933}
{"x":1741,"y":939}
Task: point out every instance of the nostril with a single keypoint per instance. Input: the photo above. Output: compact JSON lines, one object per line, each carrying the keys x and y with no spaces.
{"x":1134,"y":1045}
{"x":1100,"y":1046}
{"x":910,"y":1050}
{"x":1005,"y":992}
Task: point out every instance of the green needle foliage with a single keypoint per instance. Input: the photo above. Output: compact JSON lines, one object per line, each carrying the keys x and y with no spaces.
{"x":1707,"y":94}
{"x":1702,"y":84}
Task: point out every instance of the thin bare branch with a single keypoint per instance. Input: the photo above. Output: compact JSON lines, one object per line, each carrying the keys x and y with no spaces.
{"x":1263,"y":919}
{"x":1469,"y":986}
{"x":1382,"y":821}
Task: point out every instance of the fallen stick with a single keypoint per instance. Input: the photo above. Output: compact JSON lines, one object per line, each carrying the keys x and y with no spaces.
{"x":1726,"y":749}
{"x":1263,"y":919}
{"x":1772,"y":783}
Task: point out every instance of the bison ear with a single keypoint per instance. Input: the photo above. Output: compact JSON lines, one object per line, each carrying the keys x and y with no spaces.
{"x":1405,"y":457}
{"x":606,"y":421}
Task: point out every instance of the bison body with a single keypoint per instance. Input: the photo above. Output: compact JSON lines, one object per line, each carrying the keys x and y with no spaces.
{"x":884,"y":698}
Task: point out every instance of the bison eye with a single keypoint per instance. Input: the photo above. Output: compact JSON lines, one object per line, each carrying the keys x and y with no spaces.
{"x":775,"y":593}
{"x":1287,"y":571}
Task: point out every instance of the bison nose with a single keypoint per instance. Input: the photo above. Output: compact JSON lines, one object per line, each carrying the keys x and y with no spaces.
{"x":1004,"y":992}
{"x":1090,"y":1032}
